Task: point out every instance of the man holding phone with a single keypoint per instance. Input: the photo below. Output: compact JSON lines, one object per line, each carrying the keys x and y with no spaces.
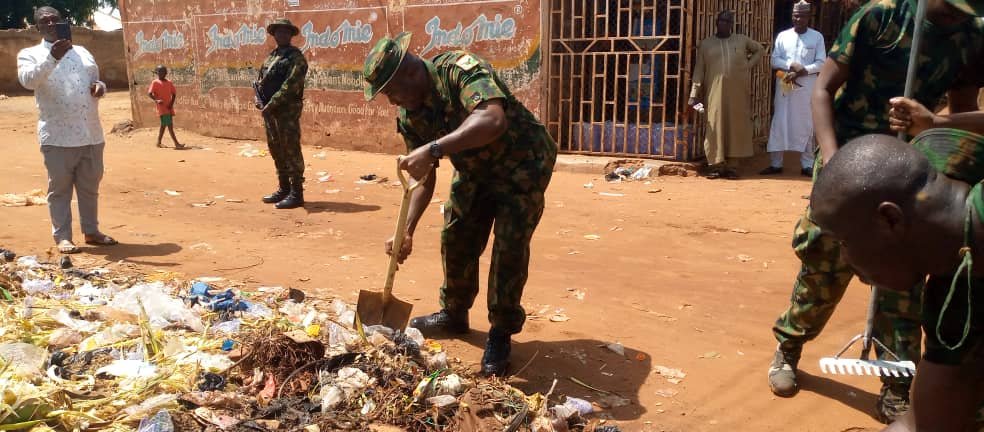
{"x":65,"y":80}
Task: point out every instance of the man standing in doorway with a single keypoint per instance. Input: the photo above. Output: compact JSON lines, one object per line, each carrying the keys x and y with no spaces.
{"x":722,"y":81}
{"x":65,"y":80}
{"x":280,"y":97}
{"x":797,"y":56}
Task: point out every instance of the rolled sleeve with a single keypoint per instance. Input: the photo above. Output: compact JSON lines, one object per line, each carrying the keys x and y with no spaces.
{"x":477,"y":86}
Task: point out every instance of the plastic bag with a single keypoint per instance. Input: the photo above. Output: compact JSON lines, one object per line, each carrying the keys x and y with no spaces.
{"x":89,"y":294}
{"x":150,"y":404}
{"x":63,"y":317}
{"x":227,"y":327}
{"x":26,"y":360}
{"x":129,"y":369}
{"x":35,"y":286}
{"x":582,"y":406}
{"x":109,"y":336}
{"x":162,"y":309}
{"x":160,"y":422}
{"x":415,"y":335}
{"x":28,"y":262}
{"x":258,"y":310}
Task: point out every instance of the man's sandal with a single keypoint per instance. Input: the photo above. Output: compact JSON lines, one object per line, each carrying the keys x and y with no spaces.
{"x":67,"y":247}
{"x":102,"y":240}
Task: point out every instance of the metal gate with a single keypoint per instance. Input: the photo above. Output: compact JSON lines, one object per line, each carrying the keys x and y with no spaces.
{"x":619,"y":73}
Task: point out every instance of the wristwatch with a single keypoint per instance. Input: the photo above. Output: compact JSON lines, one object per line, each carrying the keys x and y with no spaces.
{"x":435,"y":150}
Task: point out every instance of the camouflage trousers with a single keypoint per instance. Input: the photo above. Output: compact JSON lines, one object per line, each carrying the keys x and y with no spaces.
{"x":284,"y":142}
{"x":820,"y":285}
{"x":474,"y":209}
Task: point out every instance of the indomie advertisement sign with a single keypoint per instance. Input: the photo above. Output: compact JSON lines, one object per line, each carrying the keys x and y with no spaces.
{"x":214,"y":49}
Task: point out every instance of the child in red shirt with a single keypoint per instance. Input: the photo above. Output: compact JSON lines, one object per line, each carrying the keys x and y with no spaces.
{"x":164,"y":94}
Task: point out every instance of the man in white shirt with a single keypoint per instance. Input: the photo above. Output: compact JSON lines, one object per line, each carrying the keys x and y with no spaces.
{"x":797,"y":57}
{"x":66,"y":85}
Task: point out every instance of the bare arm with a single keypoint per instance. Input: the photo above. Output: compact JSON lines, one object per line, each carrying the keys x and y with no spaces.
{"x":419,"y":200}
{"x":832,"y":76}
{"x":963,"y":99}
{"x":485,"y":124}
{"x":913,"y":118}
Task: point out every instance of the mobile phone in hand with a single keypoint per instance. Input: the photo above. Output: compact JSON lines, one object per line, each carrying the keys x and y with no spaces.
{"x":63,"y":30}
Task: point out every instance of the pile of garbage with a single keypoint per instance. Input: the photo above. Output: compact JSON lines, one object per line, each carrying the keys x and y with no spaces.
{"x":100,"y":350}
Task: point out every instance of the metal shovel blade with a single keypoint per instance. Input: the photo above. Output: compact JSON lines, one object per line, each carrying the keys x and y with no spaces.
{"x":844,"y":366}
{"x":375,"y":309}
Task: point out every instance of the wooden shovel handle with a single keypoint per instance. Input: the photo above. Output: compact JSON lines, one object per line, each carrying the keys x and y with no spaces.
{"x":401,"y":228}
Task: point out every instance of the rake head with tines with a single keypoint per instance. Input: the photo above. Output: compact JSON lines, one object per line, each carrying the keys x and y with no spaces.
{"x":865,"y":366}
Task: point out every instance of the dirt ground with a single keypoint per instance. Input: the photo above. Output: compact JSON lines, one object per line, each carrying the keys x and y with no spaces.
{"x":688,"y":273}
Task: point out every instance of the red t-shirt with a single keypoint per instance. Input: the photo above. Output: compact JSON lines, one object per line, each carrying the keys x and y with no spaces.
{"x":164,"y":91}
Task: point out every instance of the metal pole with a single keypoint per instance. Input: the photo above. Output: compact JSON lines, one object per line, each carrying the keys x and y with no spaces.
{"x":914,"y":52}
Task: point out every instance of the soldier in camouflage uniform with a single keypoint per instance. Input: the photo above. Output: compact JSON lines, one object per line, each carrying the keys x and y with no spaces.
{"x":866,"y":67}
{"x":280,"y":96}
{"x":901,"y":212}
{"x":456,"y":105}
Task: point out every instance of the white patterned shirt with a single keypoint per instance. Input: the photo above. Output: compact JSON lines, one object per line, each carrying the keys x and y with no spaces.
{"x":69,"y":114}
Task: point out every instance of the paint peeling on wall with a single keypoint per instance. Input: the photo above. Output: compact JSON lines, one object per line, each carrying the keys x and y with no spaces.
{"x":214,"y":47}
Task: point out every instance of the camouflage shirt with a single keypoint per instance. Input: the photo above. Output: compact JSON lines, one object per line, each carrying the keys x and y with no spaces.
{"x":875,"y":45}
{"x":282,"y":80}
{"x":462,"y":81}
{"x":960,"y":155}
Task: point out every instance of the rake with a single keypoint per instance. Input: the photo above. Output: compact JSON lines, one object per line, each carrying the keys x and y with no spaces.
{"x":865,"y":366}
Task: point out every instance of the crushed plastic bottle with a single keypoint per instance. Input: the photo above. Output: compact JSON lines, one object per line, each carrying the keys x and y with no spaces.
{"x":160,"y":422}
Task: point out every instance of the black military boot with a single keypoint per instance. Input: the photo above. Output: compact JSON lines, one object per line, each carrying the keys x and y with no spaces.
{"x":443,"y":321}
{"x":296,"y":197}
{"x":495,"y":361}
{"x":281,"y":193}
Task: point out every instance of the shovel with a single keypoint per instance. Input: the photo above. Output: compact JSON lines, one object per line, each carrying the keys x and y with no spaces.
{"x":864,"y":366}
{"x":381,"y":307}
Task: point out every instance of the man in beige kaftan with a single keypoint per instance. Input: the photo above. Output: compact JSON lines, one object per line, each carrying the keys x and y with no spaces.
{"x":722,"y":83}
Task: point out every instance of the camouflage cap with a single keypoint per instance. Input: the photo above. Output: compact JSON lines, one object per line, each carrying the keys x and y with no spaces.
{"x":382,"y":63}
{"x":969,"y":7}
{"x":282,"y":22}
{"x":954,"y":152}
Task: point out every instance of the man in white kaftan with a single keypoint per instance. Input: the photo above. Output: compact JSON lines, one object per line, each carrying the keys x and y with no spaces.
{"x":797,"y":56}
